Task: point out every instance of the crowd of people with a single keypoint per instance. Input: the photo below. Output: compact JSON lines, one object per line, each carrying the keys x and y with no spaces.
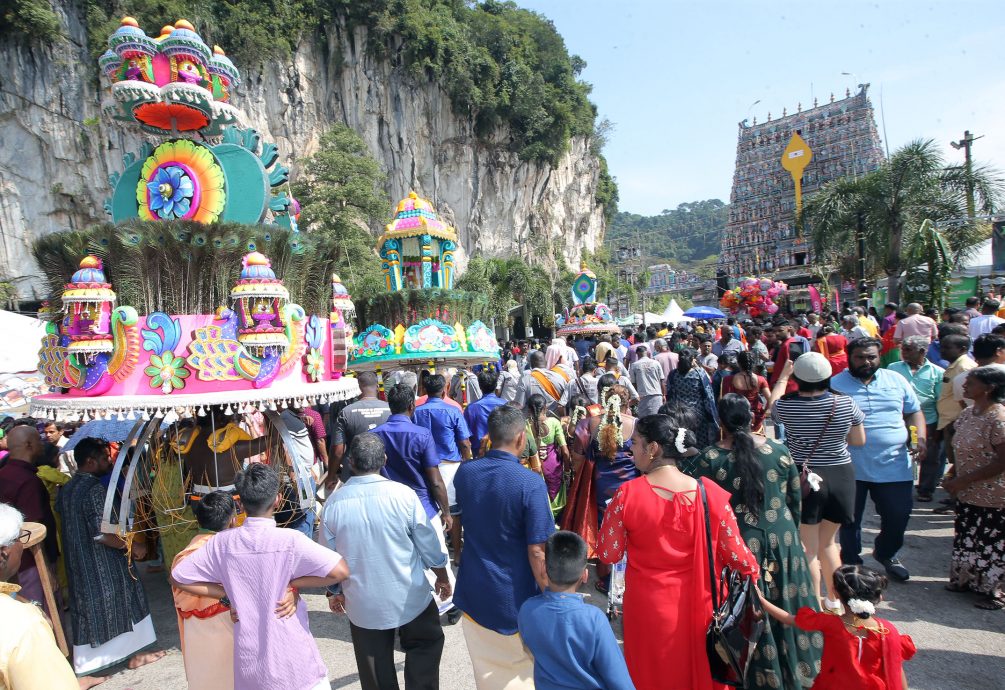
{"x":480,"y":497}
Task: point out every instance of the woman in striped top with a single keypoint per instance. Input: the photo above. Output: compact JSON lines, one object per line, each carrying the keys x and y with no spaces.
{"x":819,"y":427}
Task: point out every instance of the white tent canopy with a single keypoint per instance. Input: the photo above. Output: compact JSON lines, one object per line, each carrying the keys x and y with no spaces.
{"x":674,"y":314}
{"x":22,"y":340}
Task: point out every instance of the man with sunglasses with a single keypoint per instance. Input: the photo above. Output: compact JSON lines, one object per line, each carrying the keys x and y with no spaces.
{"x":29,"y":657}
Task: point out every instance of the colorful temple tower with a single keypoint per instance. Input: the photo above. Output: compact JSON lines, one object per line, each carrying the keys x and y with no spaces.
{"x":760,"y":236}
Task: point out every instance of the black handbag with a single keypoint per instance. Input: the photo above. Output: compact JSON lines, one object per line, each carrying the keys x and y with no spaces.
{"x":737,"y":622}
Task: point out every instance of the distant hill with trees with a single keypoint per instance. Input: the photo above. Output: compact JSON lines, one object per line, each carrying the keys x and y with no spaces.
{"x":687,"y":236}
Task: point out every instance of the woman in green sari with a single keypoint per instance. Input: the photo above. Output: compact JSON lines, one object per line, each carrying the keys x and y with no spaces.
{"x":764,"y":483}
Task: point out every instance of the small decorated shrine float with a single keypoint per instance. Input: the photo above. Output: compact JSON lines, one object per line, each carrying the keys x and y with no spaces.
{"x":587,"y":316}
{"x":422,"y":321}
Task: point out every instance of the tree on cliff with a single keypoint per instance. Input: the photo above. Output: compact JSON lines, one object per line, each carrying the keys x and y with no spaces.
{"x":341,"y":195}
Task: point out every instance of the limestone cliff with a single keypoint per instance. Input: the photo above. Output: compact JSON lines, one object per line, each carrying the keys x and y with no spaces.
{"x":56,"y":153}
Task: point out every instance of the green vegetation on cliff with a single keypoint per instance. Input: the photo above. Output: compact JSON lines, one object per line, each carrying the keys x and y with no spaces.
{"x":685,"y":236}
{"x":503,"y":66}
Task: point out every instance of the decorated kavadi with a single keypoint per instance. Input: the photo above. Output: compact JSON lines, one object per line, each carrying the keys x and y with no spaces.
{"x":422,"y":320}
{"x":206,"y":393}
{"x":587,"y":316}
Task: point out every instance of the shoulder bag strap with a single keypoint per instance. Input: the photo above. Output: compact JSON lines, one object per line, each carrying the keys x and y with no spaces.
{"x":823,"y":430}
{"x":708,"y":548}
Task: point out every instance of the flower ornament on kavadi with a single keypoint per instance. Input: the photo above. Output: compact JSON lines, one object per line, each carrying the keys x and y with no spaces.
{"x":170,"y":193}
{"x":167,"y":372}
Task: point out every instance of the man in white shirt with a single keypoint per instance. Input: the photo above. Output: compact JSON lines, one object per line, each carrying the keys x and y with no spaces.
{"x":851,"y":329}
{"x":727,"y":343}
{"x":646,"y":374}
{"x":54,"y":435}
{"x":708,"y":361}
{"x":987,"y":320}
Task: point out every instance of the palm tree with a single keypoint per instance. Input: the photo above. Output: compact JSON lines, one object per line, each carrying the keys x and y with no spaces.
{"x":893,"y":202}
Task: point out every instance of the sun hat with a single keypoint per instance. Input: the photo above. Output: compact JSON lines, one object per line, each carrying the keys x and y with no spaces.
{"x":812,"y":367}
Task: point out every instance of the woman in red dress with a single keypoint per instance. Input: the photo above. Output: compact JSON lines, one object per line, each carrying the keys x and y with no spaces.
{"x":658,"y":520}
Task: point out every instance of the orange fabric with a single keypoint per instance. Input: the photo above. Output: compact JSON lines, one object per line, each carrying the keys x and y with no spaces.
{"x":580,"y":514}
{"x":667,"y":602}
{"x":184,"y":602}
{"x":546,"y":384}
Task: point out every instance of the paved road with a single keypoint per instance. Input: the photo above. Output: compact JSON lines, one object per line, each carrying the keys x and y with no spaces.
{"x":959,"y":646}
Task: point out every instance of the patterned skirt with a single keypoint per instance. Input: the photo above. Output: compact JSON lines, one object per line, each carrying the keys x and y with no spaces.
{"x":979,"y":550}
{"x":785,"y":657}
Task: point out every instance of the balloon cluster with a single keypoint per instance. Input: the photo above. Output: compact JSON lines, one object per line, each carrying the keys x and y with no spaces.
{"x":756,"y":296}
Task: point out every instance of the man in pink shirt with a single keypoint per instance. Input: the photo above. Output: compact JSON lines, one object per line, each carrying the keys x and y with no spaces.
{"x":667,"y":359}
{"x":252,"y":566}
{"x":916,"y":323}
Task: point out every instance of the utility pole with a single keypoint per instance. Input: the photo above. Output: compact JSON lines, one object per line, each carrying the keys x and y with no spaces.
{"x":967,"y":143}
{"x":863,"y":293}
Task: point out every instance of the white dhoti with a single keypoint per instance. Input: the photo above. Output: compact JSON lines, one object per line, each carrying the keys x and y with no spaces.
{"x":500,"y":662}
{"x":443,"y":606}
{"x":208,"y":652}
{"x":88,"y":659}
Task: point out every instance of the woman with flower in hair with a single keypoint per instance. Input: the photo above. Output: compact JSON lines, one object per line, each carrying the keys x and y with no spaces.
{"x":610,"y":451}
{"x":658,"y":521}
{"x":860,"y":650}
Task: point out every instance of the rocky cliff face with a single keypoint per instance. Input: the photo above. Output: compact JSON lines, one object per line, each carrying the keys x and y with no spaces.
{"x":55,"y":152}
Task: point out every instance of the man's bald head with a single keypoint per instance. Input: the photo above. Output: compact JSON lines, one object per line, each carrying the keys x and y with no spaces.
{"x":914,"y":308}
{"x":24,"y":443}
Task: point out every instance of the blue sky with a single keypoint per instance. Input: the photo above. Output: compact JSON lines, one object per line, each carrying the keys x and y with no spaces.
{"x":676,"y":78}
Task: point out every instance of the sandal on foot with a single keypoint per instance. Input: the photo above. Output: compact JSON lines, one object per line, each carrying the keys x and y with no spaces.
{"x":991,"y":604}
{"x":600,"y":586}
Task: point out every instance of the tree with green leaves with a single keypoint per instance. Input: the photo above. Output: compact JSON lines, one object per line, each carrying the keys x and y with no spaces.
{"x":341,"y":195}
{"x":892,"y":203}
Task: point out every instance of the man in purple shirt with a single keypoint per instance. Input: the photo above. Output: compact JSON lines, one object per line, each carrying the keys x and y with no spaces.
{"x":252,"y":566}
{"x":477,"y":413}
{"x":889,"y":317}
{"x":21,"y":488}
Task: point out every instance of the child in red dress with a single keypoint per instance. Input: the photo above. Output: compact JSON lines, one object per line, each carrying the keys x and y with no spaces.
{"x":861,"y":652}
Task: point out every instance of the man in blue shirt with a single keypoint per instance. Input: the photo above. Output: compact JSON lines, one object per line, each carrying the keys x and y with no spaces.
{"x":381,"y":529}
{"x":477,"y":413}
{"x":413,"y":461}
{"x":883,"y":468}
{"x":451,"y":436}
{"x":507,"y":520}
{"x":572,"y":642}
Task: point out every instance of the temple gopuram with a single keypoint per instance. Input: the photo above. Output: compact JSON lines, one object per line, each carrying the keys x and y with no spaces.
{"x":760,"y":236}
